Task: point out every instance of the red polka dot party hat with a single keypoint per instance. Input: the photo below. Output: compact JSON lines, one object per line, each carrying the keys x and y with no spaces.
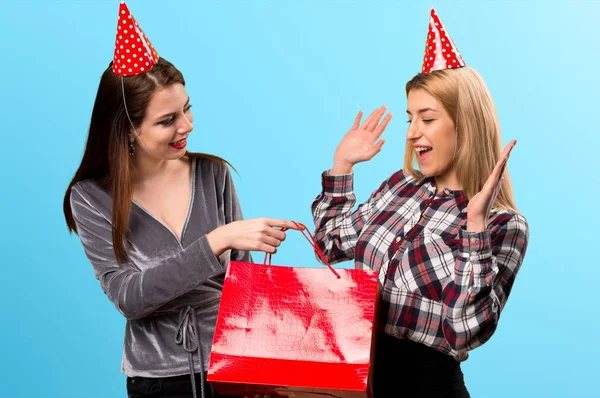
{"x":134,"y":54}
{"x":440,"y":51}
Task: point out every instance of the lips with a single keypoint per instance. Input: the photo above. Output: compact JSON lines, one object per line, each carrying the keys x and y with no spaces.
{"x":179,"y":144}
{"x":423,"y":152}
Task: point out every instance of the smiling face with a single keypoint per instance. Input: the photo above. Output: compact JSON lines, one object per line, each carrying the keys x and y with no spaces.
{"x":163,"y":133}
{"x":432,"y":136}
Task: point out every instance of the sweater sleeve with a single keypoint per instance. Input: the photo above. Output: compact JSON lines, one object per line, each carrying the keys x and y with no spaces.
{"x":136,"y":293}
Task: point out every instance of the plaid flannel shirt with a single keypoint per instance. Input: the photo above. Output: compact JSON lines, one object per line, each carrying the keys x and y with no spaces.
{"x":441,"y":285}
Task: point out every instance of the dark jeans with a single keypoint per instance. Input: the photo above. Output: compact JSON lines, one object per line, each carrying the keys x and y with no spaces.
{"x":404,"y":369}
{"x":171,"y":387}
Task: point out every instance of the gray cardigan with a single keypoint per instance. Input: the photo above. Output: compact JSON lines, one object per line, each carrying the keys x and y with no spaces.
{"x":168,"y":288}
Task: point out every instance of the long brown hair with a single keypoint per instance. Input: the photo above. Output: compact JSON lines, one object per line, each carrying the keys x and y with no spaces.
{"x":106,"y":159}
{"x":465,"y":96}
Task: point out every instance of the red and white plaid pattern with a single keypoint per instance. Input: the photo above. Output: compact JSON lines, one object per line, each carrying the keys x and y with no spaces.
{"x":442,"y":286}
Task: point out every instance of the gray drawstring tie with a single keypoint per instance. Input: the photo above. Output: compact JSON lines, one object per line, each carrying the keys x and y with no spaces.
{"x":188,"y":335}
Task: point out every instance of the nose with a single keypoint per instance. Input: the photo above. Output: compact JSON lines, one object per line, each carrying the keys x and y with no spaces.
{"x":186,"y":124}
{"x":413,"y":132}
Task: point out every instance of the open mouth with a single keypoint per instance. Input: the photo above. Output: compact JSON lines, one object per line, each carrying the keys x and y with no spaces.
{"x":179,"y":144}
{"x":423,"y":150}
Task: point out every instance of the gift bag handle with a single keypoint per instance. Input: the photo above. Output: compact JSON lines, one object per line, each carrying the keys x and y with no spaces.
{"x":312,"y":241}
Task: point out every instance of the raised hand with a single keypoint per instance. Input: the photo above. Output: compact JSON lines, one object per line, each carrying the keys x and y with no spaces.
{"x":362,"y":142}
{"x":480,"y":205}
{"x":259,"y":234}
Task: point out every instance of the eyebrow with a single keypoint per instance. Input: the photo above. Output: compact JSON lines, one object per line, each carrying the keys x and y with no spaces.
{"x":422,"y":110}
{"x":173,"y":113}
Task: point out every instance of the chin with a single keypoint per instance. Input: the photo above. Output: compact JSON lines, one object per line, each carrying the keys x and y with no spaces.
{"x":425,"y":171}
{"x":428,"y":172}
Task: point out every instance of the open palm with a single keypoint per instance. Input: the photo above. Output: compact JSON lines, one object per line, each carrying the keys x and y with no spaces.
{"x":362,"y":142}
{"x":480,"y":205}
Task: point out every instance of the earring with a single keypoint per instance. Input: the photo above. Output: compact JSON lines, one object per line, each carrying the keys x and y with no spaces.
{"x":131,"y":146}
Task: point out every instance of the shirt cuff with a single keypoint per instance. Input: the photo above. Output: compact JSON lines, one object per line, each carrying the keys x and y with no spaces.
{"x":340,"y":185}
{"x":475,"y":246}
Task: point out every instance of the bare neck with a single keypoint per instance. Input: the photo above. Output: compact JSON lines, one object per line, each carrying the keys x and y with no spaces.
{"x":447,"y":180}
{"x":149,"y":169}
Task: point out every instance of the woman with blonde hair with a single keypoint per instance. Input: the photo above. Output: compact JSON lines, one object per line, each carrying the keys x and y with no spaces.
{"x":446,"y":237}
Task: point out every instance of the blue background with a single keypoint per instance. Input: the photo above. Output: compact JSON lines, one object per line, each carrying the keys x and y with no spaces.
{"x":275,"y":85}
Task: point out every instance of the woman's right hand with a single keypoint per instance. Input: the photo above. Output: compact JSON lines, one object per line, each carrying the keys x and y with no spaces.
{"x":258,"y":234}
{"x":360,"y":143}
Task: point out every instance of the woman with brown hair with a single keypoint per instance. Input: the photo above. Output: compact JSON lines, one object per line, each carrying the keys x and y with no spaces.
{"x":159,"y":224}
{"x":446,"y":239}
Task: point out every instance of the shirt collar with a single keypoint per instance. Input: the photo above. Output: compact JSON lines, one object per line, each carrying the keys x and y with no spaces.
{"x":459,"y":195}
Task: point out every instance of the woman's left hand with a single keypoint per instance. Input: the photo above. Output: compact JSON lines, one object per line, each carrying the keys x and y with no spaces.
{"x":480,"y":205}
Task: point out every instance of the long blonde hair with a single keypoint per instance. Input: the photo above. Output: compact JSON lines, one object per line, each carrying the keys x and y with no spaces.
{"x":466,"y":98}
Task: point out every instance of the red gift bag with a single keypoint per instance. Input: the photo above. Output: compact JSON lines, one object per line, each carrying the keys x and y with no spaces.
{"x":291,"y":331}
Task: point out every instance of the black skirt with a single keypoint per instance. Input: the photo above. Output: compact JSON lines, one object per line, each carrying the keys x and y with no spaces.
{"x":407,"y":369}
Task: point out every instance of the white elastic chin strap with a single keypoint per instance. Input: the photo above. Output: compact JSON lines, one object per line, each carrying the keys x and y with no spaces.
{"x":127,"y":113}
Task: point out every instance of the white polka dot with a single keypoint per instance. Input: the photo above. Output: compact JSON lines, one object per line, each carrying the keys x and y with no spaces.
{"x":130,"y":26}
{"x":129,"y":69}
{"x":443,"y":50}
{"x":147,"y":63}
{"x":141,"y":59}
{"x":443,"y":39}
{"x":430,"y":47}
{"x":447,"y":44}
{"x":122,"y":56}
{"x":118,"y":27}
{"x":128,"y":16}
{"x":454,"y":60}
{"x":138,"y":40}
{"x":120,"y":37}
{"x":132,"y":36}
{"x":135,"y":65}
{"x":139,"y":48}
{"x":436,"y":24}
{"x":126,"y":41}
{"x":430,"y":58}
{"x":129,"y":60}
{"x":123,"y":12}
{"x":118,"y":61}
{"x":430,"y":36}
{"x":125,"y":31}
{"x":133,"y":46}
{"x":142,"y":68}
{"x":127,"y":51}
{"x":121,"y":47}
